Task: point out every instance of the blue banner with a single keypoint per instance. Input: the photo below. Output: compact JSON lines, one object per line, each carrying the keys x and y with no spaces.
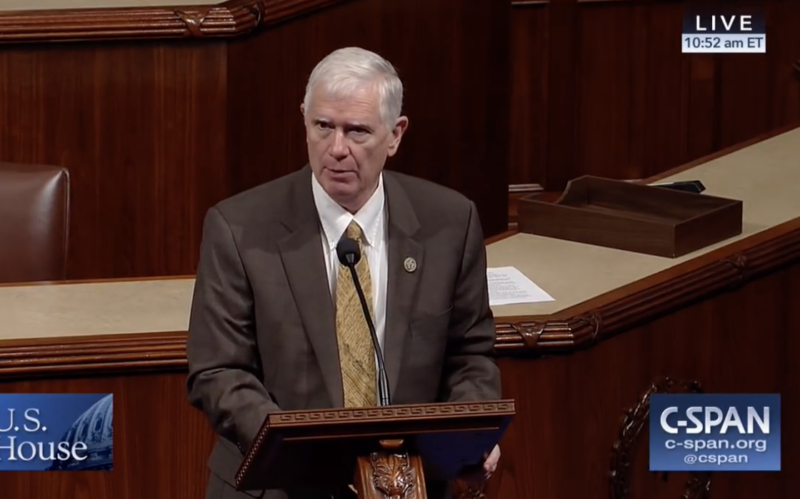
{"x":56,"y":432}
{"x":715,"y":432}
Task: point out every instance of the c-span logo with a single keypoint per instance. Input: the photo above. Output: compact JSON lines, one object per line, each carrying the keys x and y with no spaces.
{"x":56,"y":432}
{"x":715,"y":432}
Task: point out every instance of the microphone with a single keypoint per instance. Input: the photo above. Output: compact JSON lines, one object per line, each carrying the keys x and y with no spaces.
{"x":349,"y":255}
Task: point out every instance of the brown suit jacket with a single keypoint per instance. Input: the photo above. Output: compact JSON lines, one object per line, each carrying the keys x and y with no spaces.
{"x":262,"y":329}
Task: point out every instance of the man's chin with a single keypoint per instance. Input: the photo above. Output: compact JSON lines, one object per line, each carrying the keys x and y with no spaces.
{"x":341,"y":192}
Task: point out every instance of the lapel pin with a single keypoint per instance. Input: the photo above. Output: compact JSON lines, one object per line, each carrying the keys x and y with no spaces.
{"x":410,"y":264}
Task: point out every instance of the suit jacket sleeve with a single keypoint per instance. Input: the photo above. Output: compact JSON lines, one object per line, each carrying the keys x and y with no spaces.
{"x":224,"y":364}
{"x":470,"y":372}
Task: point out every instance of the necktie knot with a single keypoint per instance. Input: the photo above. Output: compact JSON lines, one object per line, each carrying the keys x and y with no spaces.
{"x":354,"y":232}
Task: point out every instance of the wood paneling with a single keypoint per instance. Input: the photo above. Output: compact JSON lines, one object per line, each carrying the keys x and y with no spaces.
{"x":724,"y":321}
{"x":161,"y":444}
{"x":627,"y":62}
{"x":571,"y":408}
{"x":570,"y":404}
{"x":621,"y":101}
{"x":154,"y":132}
{"x":141,"y":128}
{"x":529,"y":98}
{"x":453,"y":60}
{"x":186,"y":21}
{"x":208,"y":20}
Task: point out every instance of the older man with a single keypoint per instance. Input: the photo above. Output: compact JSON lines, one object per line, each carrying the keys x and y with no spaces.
{"x":275,"y":322}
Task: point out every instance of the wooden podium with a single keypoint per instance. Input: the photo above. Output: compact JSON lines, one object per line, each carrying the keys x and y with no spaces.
{"x":381,"y":452}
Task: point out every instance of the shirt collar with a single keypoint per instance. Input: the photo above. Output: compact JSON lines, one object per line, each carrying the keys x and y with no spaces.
{"x":335,"y":219}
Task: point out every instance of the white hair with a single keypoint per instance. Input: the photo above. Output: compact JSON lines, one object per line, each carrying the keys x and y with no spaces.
{"x":345,"y":70}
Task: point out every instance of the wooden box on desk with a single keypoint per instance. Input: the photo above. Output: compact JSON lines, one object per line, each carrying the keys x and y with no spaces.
{"x":632,"y":217}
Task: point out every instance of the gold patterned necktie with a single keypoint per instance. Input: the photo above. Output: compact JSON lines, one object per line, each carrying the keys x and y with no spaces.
{"x":356,"y":353}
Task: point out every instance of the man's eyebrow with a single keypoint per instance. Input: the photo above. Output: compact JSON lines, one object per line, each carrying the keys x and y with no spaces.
{"x":349,"y":124}
{"x":358,"y":124}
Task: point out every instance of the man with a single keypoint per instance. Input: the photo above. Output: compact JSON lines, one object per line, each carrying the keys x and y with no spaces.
{"x":276,"y":323}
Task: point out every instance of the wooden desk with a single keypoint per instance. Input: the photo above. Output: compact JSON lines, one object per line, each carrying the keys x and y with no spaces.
{"x":721,"y":317}
{"x":581,"y":367}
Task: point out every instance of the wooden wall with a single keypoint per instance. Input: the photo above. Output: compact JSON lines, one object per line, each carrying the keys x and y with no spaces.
{"x":160,"y":113}
{"x":600,"y":87}
{"x":161,"y":443}
{"x":583,"y":433}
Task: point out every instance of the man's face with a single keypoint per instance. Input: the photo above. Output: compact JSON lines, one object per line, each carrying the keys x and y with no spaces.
{"x":348,"y":143}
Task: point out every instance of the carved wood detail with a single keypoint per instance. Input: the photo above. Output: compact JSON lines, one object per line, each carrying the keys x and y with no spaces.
{"x":87,"y":355}
{"x":333,"y":416}
{"x":397,"y":475}
{"x":393,"y":475}
{"x":390,"y":473}
{"x":634,"y":422}
{"x":535,"y":335}
{"x":224,"y":20}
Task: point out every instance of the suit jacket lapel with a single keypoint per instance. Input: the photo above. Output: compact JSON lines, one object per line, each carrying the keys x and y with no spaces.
{"x":303,"y":261}
{"x":402,"y":284}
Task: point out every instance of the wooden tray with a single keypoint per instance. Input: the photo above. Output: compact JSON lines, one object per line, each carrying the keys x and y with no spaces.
{"x":632,"y":217}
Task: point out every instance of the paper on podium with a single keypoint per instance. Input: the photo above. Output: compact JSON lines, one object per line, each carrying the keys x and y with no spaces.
{"x":508,"y":286}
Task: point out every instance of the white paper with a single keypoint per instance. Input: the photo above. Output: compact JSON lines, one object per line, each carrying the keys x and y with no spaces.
{"x":508,"y":286}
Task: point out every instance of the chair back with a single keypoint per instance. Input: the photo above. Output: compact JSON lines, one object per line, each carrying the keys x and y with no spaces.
{"x":34,"y":222}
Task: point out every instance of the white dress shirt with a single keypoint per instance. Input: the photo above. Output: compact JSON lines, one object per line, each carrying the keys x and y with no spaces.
{"x":372,"y":220}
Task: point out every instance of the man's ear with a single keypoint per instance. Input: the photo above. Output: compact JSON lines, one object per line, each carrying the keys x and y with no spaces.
{"x":303,"y":109}
{"x":400,"y":127}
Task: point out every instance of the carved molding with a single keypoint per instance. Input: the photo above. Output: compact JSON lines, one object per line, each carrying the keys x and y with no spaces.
{"x":535,"y":335}
{"x":224,"y":20}
{"x":332,"y":416}
{"x":634,"y":422}
{"x":53,"y":356}
{"x":739,"y":262}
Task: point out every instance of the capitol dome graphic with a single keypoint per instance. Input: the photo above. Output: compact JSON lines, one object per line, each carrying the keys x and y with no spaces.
{"x":94,"y":427}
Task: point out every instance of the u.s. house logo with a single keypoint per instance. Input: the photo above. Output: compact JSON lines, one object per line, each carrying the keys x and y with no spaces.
{"x":56,"y":432}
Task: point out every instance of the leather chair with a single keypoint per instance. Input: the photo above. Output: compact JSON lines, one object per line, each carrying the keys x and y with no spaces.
{"x":34,"y":222}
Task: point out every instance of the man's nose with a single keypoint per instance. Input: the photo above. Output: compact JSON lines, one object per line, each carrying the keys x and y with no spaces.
{"x":339,"y":147}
